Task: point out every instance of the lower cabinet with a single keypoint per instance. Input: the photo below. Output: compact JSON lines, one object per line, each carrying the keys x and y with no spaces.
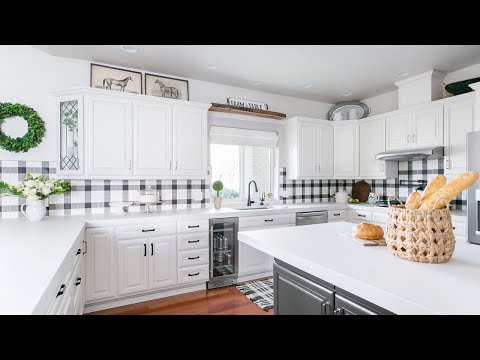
{"x":251,"y":260}
{"x":344,"y":306}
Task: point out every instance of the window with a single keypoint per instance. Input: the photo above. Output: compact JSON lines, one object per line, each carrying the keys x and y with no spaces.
{"x":238,"y":156}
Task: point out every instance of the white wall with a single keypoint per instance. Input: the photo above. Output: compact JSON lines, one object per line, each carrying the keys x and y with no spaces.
{"x":463,"y":74}
{"x":28,"y":75}
{"x":383,"y":103}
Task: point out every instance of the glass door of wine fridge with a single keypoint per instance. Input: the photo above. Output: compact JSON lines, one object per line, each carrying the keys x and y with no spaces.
{"x":223,"y":252}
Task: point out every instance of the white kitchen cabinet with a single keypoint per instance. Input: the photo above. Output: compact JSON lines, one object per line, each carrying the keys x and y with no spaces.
{"x":190,"y":141}
{"x":398,"y":128}
{"x":152,"y":139}
{"x":100,"y":271}
{"x":162,"y":264}
{"x":132,"y":266}
{"x":346,"y":155}
{"x":459,"y":120}
{"x":109,"y":135}
{"x":372,"y":142}
{"x":310,"y":148}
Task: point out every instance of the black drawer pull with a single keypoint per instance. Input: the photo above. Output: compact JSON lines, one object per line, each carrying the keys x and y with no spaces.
{"x":144,"y":249}
{"x":193,"y":226}
{"x":194,"y":274}
{"x":193,"y":241}
{"x":149,"y":230}
{"x":194,"y":258}
{"x":79,"y":251}
{"x":337,"y":214}
{"x":361,"y":215}
{"x":454,"y":228}
{"x":268,"y":220}
{"x":78,"y":281}
{"x":62,"y":290}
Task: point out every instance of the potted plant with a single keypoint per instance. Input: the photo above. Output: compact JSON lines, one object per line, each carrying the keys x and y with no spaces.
{"x":35,"y":190}
{"x":217,"y":201}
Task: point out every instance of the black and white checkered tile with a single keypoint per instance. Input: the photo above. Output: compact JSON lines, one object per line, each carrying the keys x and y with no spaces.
{"x":305,"y":191}
{"x":93,"y":196}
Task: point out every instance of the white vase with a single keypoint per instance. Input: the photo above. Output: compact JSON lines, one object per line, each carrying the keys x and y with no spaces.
{"x":35,"y":210}
{"x":217,"y":202}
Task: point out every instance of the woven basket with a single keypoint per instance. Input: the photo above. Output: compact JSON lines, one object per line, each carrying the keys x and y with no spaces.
{"x":420,"y":235}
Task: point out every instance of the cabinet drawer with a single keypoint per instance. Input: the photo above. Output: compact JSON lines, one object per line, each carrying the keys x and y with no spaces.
{"x":276,"y":220}
{"x":191,"y":226}
{"x":379,"y":218}
{"x":337,"y":215}
{"x":459,"y":228}
{"x":193,"y":274}
{"x":192,"y":241}
{"x":246,"y":223}
{"x":192,"y":258}
{"x":145,"y":230}
{"x":360,"y":215}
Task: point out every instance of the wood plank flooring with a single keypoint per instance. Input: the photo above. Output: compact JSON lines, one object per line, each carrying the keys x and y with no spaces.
{"x":222,"y":301}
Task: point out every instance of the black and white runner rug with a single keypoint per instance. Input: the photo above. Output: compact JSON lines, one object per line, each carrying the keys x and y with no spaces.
{"x":260,"y":292}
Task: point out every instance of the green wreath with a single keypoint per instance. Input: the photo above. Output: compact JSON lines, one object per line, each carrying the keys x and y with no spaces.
{"x":35,"y":132}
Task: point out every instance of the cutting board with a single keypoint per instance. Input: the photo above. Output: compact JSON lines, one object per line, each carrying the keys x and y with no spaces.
{"x":361,"y":190}
{"x":350,"y":236}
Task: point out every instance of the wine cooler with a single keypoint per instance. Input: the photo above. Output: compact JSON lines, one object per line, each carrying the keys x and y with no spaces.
{"x":223,"y":252}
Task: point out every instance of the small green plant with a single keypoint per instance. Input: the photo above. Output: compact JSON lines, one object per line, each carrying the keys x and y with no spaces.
{"x":35,"y":188}
{"x":217,"y":186}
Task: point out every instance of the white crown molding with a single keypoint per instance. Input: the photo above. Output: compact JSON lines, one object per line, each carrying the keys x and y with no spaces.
{"x":431,"y":73}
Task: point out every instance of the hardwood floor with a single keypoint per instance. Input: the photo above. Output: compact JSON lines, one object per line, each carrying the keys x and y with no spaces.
{"x":222,"y":301}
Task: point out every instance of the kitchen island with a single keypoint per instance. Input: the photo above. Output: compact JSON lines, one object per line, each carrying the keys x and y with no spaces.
{"x":317,"y":255}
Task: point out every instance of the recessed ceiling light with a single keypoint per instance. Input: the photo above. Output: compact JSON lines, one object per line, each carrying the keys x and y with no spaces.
{"x":128,"y":48}
{"x":307,"y":86}
{"x":403,"y":74}
{"x":347,"y":93}
{"x":255,"y":83}
{"x":211,"y":67}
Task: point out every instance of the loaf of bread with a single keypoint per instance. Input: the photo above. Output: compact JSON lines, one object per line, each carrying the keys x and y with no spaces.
{"x":433,"y":186}
{"x":367,"y":231}
{"x":449,"y":191}
{"x":413,"y":201}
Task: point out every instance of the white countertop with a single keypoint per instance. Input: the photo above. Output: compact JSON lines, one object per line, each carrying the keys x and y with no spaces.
{"x":373,"y":273}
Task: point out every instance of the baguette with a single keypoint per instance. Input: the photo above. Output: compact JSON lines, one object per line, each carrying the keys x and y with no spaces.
{"x":450,"y":191}
{"x":433,"y":186}
{"x":413,"y":201}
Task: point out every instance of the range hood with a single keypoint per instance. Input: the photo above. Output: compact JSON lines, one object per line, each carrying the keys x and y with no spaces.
{"x":412,"y":154}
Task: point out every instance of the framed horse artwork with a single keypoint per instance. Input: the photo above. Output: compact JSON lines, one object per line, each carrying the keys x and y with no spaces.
{"x":110,"y":78}
{"x":166,"y":87}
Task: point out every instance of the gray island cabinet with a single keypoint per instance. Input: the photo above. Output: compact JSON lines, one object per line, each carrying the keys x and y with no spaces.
{"x":298,"y":293}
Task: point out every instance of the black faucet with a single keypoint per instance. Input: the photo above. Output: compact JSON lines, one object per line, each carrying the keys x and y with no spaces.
{"x":249,"y":202}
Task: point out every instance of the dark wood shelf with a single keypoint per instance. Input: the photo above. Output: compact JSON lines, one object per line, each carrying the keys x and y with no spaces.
{"x":244,"y":111}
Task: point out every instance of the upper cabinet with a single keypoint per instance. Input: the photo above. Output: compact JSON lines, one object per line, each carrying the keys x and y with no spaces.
{"x":130,"y":135}
{"x":346,"y":156}
{"x":310,"y":148}
{"x":417,"y":128}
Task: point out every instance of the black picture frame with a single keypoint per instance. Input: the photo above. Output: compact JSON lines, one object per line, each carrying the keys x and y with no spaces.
{"x":137,"y":73}
{"x":169,"y":78}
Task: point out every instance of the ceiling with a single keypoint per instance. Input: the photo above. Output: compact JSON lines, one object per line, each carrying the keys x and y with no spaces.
{"x":331,"y":70}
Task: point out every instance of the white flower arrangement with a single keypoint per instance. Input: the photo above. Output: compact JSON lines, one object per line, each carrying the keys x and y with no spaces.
{"x":35,"y":188}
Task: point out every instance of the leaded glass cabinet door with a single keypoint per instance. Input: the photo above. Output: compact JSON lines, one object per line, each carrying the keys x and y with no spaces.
{"x":70,"y":135}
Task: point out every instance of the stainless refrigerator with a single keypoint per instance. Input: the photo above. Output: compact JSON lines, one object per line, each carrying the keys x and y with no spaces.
{"x":473,"y":192}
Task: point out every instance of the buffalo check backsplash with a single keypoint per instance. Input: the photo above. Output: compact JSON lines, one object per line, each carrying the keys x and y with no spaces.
{"x":93,"y":196}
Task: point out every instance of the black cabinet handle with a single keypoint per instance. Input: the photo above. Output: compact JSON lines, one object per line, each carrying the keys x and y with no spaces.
{"x":78,"y":281}
{"x":454,"y":228}
{"x":268,"y":220}
{"x":144,"y":249}
{"x":151,"y":245}
{"x":62,"y":290}
{"x":79,"y":251}
{"x":193,"y":241}
{"x":193,"y":258}
{"x":361,"y":215}
{"x":149,"y":230}
{"x":194,"y":274}
{"x":336,"y":214}
{"x":193,"y":226}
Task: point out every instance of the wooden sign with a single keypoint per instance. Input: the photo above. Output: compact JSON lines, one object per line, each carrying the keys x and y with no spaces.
{"x":249,"y":104}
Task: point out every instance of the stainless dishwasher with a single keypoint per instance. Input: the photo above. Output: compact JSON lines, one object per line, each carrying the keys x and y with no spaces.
{"x":312,"y":217}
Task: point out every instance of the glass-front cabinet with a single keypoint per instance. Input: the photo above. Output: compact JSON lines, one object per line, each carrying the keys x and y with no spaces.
{"x":69,"y":135}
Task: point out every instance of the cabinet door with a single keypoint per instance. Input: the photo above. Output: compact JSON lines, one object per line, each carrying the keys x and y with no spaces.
{"x":307,"y":156}
{"x":132,"y":266}
{"x":190,"y":140}
{"x":398,"y":131}
{"x":109,"y":134}
{"x":427,"y":129}
{"x":296,"y":295}
{"x":152,"y":139}
{"x":100,"y":273}
{"x":346,"y":157}
{"x":372,"y":142}
{"x":162,"y":262}
{"x":458,"y":122}
{"x":324,"y":150}
{"x":344,"y":306}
